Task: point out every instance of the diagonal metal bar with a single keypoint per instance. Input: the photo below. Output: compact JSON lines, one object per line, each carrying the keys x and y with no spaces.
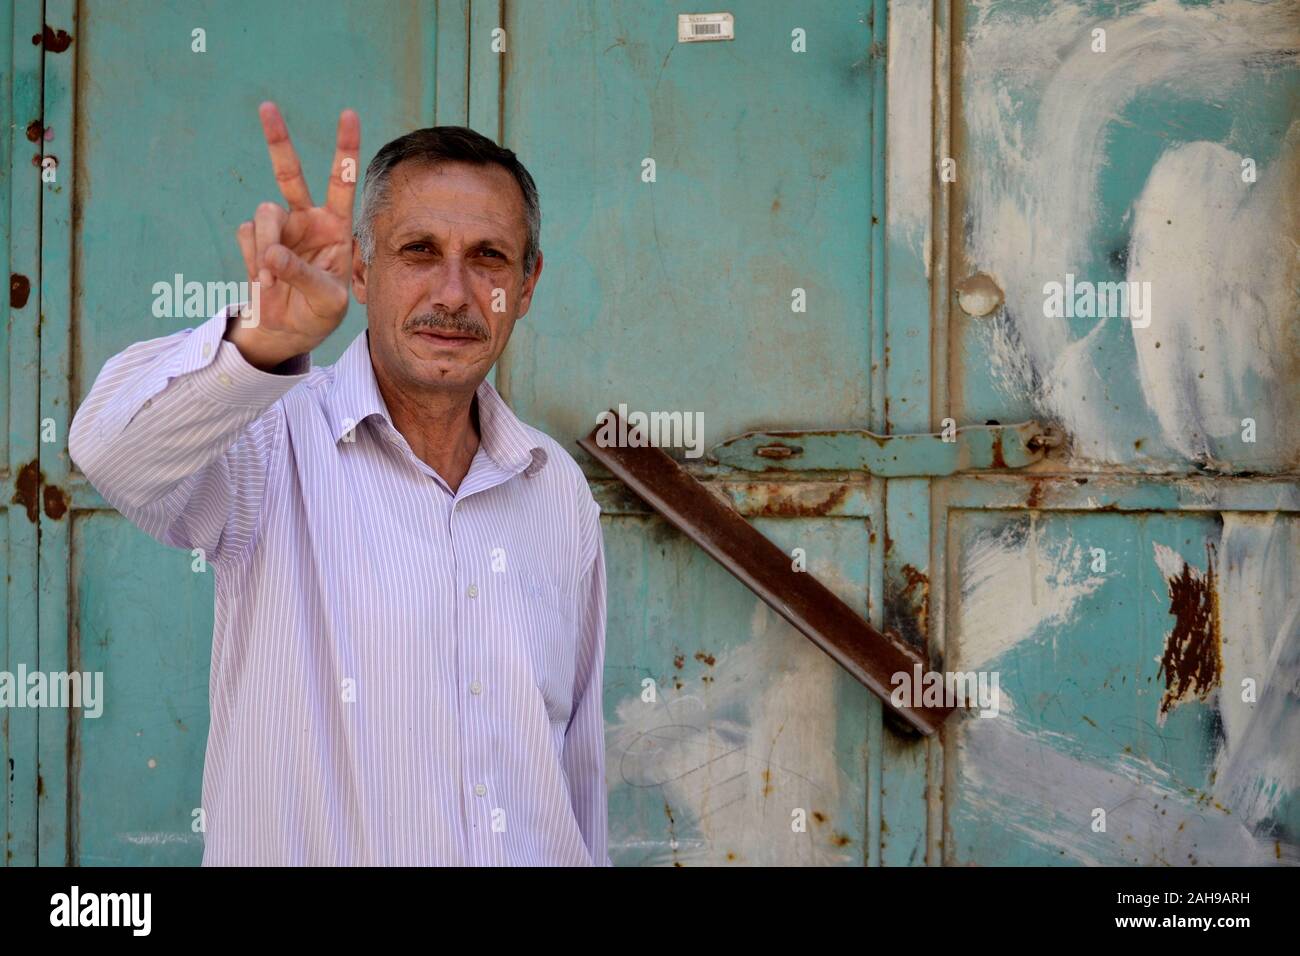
{"x":870,"y":656}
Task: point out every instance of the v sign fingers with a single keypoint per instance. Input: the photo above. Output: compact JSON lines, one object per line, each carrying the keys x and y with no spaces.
{"x":301,"y":256}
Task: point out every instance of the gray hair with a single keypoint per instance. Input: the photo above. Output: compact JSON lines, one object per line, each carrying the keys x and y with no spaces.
{"x":444,"y":144}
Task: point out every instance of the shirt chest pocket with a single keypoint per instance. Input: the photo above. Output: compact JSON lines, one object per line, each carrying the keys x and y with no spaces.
{"x":549,"y":632}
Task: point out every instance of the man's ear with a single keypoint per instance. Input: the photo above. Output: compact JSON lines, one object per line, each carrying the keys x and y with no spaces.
{"x":526,"y":294}
{"x":359,"y":270}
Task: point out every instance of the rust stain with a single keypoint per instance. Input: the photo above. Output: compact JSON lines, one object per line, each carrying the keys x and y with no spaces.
{"x":672,"y":833}
{"x":29,"y":479}
{"x":772,"y":500}
{"x":679,"y":661}
{"x":1035,"y":494}
{"x":839,"y":839}
{"x":20,"y":289}
{"x":998,"y":460}
{"x":907,"y":607}
{"x":56,"y":502}
{"x":818,"y":816}
{"x":705,"y":658}
{"x":1192,"y":663}
{"x":35,"y":131}
{"x":56,"y":41}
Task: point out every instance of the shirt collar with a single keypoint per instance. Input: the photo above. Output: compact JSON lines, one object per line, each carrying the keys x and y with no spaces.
{"x":354,"y":396}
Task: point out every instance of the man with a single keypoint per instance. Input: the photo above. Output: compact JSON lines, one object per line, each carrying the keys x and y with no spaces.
{"x":410,"y":582}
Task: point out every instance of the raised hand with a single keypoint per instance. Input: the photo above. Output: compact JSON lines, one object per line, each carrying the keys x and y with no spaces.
{"x":301,"y":257}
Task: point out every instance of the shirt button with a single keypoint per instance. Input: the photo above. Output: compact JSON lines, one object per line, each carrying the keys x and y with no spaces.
{"x":223,"y":378}
{"x":207,"y":349}
{"x":480,"y":789}
{"x":476,"y":688}
{"x":472,"y":590}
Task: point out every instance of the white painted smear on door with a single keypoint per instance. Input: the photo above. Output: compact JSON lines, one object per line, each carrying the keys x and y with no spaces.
{"x":1038,"y":103}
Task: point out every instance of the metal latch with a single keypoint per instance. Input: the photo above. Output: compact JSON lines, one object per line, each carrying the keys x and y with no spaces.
{"x":972,"y":448}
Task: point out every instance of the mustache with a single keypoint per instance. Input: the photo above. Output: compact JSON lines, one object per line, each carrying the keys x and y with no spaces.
{"x":460,"y":323}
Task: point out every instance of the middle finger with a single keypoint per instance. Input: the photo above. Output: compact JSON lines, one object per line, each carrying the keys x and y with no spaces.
{"x":284,"y":158}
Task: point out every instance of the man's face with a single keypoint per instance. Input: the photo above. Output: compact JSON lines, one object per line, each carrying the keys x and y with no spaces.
{"x":446,"y":282}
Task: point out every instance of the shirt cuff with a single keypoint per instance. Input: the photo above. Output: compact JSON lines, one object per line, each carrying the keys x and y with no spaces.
{"x":219,"y":370}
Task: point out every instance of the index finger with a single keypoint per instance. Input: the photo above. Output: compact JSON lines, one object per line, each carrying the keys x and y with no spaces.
{"x":343,"y":171}
{"x":284,"y":159}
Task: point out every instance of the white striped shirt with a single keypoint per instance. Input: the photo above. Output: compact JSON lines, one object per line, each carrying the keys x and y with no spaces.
{"x":401,"y":675}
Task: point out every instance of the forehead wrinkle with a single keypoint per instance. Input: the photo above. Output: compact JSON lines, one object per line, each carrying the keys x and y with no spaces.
{"x":426,"y":217}
{"x":428,"y":225}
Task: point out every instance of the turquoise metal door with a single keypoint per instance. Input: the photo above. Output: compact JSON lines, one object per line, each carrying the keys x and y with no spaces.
{"x":711,"y":221}
{"x":159,"y":158}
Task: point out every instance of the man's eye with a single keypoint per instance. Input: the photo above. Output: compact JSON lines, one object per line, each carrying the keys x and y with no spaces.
{"x":417,"y":247}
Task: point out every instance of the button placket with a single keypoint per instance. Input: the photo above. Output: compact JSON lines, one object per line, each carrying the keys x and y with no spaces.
{"x":476,"y":766}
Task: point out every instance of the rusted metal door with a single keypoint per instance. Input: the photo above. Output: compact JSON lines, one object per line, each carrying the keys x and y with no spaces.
{"x":711,"y":222}
{"x":1139,"y":594}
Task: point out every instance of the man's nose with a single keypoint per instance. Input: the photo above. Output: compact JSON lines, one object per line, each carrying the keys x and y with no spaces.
{"x":451,"y":281}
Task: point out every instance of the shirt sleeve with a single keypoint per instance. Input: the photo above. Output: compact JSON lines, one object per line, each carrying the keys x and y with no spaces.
{"x":584,"y":740}
{"x":178,"y":433}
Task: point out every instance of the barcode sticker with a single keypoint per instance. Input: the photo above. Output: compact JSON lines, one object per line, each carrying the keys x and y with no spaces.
{"x":696,"y":27}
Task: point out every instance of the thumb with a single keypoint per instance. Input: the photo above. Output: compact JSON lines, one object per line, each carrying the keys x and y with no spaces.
{"x":325,"y":295}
